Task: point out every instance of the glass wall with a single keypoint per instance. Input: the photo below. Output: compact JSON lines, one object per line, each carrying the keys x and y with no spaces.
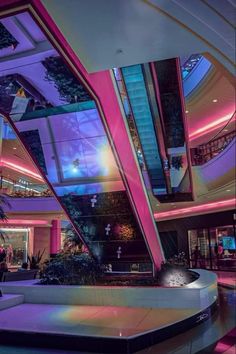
{"x":68,"y":140}
{"x":213,"y":248}
{"x":14,"y":246}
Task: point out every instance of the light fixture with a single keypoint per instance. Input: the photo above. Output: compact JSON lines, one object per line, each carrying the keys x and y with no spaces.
{"x":196,"y":208}
{"x":25,"y":222}
{"x":14,"y":148}
{"x":75,"y":165}
{"x":215,"y":100}
{"x":186,"y":112}
{"x":21,"y":169}
{"x":207,"y":128}
{"x":228,"y":190}
{"x":226,"y":130}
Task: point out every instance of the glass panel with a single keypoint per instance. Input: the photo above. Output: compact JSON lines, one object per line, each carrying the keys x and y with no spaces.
{"x":223,"y":247}
{"x":199,"y":248}
{"x":14,"y":246}
{"x":60,"y":126}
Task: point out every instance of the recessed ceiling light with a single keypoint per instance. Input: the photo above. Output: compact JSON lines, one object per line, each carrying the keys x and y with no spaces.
{"x":215,"y":100}
{"x":226,"y":130}
{"x":14,"y":148}
{"x":228,"y":190}
{"x":186,"y":112}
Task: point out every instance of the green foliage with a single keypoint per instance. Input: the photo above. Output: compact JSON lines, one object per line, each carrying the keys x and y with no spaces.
{"x":71,"y":269}
{"x":69,"y":88}
{"x":3,"y":201}
{"x":6,"y":39}
{"x":35,"y":260}
{"x":72,"y":242}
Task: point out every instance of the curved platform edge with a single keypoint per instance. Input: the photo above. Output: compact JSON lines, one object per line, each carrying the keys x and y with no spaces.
{"x":105,"y":344}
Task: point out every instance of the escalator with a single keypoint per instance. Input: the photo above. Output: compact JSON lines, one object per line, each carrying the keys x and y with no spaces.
{"x":154,"y":94}
{"x":136,"y":90}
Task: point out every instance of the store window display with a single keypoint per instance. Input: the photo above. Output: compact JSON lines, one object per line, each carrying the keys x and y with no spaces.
{"x":216,"y":248}
{"x":224,"y":239}
{"x":199,"y":248}
{"x":13,"y":249}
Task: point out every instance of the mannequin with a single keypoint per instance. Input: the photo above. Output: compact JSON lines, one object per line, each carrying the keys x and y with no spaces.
{"x":9,"y":254}
{"x":2,"y":253}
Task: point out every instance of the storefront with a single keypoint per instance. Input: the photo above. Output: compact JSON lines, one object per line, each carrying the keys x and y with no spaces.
{"x":14,"y":245}
{"x":213,"y":248}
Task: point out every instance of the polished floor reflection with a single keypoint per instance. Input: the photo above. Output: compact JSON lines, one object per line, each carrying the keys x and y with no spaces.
{"x":99,"y":321}
{"x":204,"y":335}
{"x":192,"y":341}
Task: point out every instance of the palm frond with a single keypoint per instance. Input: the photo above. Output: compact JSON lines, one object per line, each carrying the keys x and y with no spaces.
{"x":3,"y":202}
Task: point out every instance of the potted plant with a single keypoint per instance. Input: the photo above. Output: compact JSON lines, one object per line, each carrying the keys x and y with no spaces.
{"x":35,"y":260}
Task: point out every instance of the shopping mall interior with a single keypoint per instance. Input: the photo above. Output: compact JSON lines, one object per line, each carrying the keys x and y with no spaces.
{"x":117,"y":130}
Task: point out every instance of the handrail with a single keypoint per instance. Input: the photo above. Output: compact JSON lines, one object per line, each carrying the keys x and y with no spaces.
{"x":205,"y":152}
{"x":213,"y":138}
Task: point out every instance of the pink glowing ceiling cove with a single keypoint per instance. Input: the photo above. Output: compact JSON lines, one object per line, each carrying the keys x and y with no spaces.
{"x":196,"y":209}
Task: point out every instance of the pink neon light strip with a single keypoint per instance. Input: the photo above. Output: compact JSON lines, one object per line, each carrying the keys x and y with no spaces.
{"x":13,"y":166}
{"x":208,"y":128}
{"x":201,"y":207}
{"x":23,"y":222}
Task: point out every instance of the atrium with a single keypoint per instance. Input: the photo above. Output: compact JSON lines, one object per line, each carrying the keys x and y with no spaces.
{"x":117,"y":176}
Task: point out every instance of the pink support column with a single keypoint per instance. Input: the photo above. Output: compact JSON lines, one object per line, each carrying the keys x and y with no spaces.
{"x":55,"y":237}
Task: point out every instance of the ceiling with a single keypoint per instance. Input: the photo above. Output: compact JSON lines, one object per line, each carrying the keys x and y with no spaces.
{"x":210,"y":107}
{"x":15,"y":163}
{"x":138,"y":31}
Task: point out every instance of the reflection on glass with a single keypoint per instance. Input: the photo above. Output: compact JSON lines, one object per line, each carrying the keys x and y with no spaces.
{"x":13,"y":247}
{"x":61,"y":128}
{"x":199,"y":248}
{"x":223,"y":247}
{"x":218,"y":250}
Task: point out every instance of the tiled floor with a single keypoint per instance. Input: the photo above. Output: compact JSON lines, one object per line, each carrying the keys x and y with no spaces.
{"x":102,"y":321}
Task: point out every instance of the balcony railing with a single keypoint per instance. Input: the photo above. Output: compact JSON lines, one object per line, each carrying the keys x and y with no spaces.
{"x":205,"y":152}
{"x":21,"y":189}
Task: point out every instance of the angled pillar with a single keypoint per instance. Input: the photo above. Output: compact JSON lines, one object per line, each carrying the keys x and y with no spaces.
{"x":55,"y":237}
{"x":85,"y":154}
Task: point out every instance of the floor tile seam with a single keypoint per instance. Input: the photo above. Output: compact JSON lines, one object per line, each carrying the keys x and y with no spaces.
{"x":164,"y":326}
{"x":145,"y":315}
{"x":185,"y":309}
